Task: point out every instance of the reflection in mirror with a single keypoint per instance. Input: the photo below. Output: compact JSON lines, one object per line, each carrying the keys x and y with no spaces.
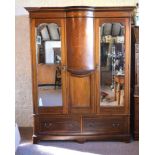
{"x":112,"y":64}
{"x":48,"y":52}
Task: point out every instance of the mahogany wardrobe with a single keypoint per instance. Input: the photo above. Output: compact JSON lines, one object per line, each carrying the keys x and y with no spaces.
{"x":81,"y":72}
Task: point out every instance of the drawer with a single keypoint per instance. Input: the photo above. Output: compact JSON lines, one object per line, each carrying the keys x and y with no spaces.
{"x":59,"y":124}
{"x":106,"y":124}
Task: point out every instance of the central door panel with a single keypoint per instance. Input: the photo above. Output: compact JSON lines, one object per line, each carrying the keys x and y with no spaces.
{"x":80,"y":91}
{"x":81,"y":96}
{"x":80,"y":63}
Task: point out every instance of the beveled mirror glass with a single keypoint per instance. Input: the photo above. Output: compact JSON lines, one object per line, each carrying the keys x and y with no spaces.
{"x":112,"y":63}
{"x":48,"y":57}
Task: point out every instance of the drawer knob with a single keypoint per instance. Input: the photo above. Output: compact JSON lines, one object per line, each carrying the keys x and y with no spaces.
{"x":92,"y":124}
{"x":115,"y":125}
{"x":48,"y":125}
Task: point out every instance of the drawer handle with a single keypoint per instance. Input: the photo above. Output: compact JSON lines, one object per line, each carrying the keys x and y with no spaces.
{"x":115,"y":125}
{"x":91,"y":124}
{"x":48,"y":125}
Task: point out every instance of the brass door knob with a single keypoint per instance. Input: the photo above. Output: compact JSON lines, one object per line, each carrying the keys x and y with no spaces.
{"x":64,"y":68}
{"x":97,"y":66}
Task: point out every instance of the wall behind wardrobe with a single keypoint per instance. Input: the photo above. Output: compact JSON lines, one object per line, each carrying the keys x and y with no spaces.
{"x":23,"y":58}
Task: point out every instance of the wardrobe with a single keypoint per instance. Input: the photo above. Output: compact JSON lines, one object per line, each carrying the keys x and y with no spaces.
{"x":81,"y":72}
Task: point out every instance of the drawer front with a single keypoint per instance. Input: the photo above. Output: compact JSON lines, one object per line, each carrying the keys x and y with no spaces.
{"x":56,"y":125}
{"x":106,"y":124}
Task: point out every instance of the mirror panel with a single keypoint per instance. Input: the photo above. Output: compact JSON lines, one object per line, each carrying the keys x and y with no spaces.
{"x":48,"y":58}
{"x":112,"y":63}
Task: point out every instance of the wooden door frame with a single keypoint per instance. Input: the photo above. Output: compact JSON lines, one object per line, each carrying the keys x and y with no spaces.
{"x":61,"y":23}
{"x":126,"y":108}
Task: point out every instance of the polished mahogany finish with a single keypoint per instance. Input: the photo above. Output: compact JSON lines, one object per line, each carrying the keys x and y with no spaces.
{"x":59,"y":124}
{"x":105,"y":124}
{"x":81,"y":117}
{"x":81,"y":96}
{"x":80,"y":45}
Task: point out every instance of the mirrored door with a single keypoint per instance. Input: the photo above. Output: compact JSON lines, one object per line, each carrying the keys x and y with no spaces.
{"x":112,"y":68}
{"x":49,"y":65}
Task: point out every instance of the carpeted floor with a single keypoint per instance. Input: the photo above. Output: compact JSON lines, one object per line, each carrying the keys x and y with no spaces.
{"x":49,"y":96}
{"x":73,"y":148}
